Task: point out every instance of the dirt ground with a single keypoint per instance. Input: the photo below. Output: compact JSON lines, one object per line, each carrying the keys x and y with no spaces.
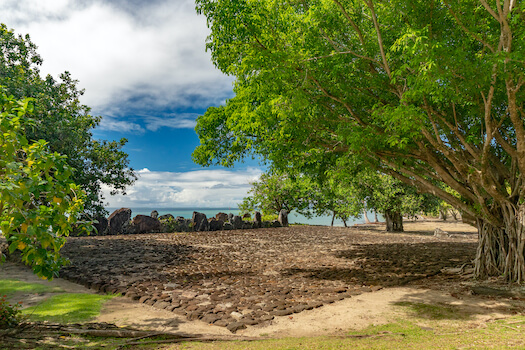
{"x":312,"y":268}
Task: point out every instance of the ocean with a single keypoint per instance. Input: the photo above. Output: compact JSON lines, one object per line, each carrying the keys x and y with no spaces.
{"x":293,"y":218}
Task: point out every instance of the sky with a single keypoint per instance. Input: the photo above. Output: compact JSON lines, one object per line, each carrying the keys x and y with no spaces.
{"x":145,"y":70}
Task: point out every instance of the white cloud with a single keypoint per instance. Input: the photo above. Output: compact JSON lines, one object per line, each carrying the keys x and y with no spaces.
{"x":109,"y":123}
{"x":149,"y":55}
{"x":194,"y":189}
{"x":182,"y":121}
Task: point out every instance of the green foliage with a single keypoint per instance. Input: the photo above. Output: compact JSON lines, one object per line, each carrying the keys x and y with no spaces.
{"x":62,"y":121}
{"x":39,"y":203}
{"x":9,"y":313}
{"x":67,"y":308}
{"x":275,"y":191}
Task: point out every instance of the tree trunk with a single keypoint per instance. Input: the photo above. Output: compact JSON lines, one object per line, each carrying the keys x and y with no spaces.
{"x":333,"y":218}
{"x":375,"y":216}
{"x":394,"y":221}
{"x":443,"y":214}
{"x":365,"y":216}
{"x":501,"y":251}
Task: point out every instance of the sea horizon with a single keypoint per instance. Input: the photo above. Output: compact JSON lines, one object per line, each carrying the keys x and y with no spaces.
{"x":293,"y":218}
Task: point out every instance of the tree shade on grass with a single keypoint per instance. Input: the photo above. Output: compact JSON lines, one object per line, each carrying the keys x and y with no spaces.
{"x":429,"y":92}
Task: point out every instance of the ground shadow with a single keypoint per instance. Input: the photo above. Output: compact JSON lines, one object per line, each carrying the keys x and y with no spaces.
{"x":392,"y":264}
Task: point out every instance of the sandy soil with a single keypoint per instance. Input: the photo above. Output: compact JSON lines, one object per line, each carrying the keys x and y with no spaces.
{"x":357,"y":312}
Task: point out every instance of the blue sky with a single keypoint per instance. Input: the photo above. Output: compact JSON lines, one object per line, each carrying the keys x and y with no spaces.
{"x":145,"y":70}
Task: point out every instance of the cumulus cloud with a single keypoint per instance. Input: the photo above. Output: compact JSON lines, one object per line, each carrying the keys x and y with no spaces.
{"x":180,"y":121}
{"x":195,"y":189}
{"x":145,"y":55}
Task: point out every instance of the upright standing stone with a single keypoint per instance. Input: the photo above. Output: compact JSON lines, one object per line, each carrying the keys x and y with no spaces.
{"x":118,"y":221}
{"x":283,"y":218}
{"x":222,"y":216}
{"x":236,"y":222}
{"x":154,"y":214}
{"x":257,"y":220}
{"x":145,"y":224}
{"x":199,"y":221}
{"x":101,"y":226}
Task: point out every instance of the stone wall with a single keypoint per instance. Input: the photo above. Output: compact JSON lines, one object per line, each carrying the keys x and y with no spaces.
{"x":121,"y":222}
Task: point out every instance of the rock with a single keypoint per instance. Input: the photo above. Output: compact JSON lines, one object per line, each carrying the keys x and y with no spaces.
{"x":119,"y":221}
{"x":440,"y":233}
{"x":236,"y":222}
{"x":246,"y":216}
{"x":284,"y":312}
{"x":154,"y":214}
{"x":235,"y":326}
{"x":276,"y":223}
{"x":215,"y":225}
{"x":100,"y":227}
{"x":210,"y":318}
{"x":166,"y":217}
{"x":230,"y":217}
{"x":257,"y":220}
{"x":283,"y":218}
{"x":145,"y":224}
{"x":199,"y":221}
{"x":227,"y":226}
{"x":222,"y":216}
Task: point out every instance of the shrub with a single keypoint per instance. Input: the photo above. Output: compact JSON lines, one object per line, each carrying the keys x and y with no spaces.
{"x":9,"y":314}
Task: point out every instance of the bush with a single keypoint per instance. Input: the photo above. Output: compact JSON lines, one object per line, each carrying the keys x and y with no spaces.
{"x":9,"y":314}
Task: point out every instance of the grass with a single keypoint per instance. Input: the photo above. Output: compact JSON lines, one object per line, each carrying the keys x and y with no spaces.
{"x":10,"y":286}
{"x":67,"y":308}
{"x":433,"y":311}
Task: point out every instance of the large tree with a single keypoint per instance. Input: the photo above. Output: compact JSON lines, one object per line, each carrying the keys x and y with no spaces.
{"x":430,"y":92}
{"x":62,"y":121}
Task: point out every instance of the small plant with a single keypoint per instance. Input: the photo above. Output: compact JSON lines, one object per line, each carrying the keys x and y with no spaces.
{"x":9,"y":314}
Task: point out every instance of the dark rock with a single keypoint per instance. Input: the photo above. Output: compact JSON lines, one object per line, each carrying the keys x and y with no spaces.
{"x":166,"y":217}
{"x":249,"y":321}
{"x":145,"y":224}
{"x":221,"y":323}
{"x":285,"y":312}
{"x":236,"y":222}
{"x":246,"y":216}
{"x":154,"y":214}
{"x":257,"y":220}
{"x":210,"y":318}
{"x":161,"y":304}
{"x":283,"y":218}
{"x":227,"y":226}
{"x":235,"y":326}
{"x":215,"y":225}
{"x":222,"y":216}
{"x":119,"y":221}
{"x":100,"y":227}
{"x":267,"y":317}
{"x":276,"y":223}
{"x":199,"y":221}
{"x":230,"y":217}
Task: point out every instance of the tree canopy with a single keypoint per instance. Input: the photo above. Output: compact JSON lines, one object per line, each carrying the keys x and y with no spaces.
{"x":62,"y":121}
{"x":429,"y":92}
{"x":39,"y":203}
